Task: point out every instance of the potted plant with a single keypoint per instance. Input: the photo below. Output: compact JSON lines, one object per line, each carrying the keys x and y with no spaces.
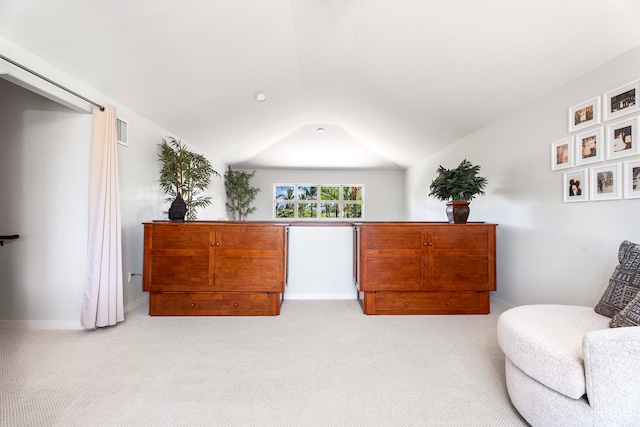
{"x":458,"y":187}
{"x":240,"y":193}
{"x":184,"y":176}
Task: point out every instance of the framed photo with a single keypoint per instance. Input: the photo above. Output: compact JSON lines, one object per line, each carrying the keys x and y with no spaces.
{"x":575,"y":186}
{"x":590,"y":147}
{"x":622,"y":139}
{"x":562,"y":154}
{"x":606,"y":182}
{"x":584,"y":115}
{"x":632,"y":180}
{"x":622,"y":100}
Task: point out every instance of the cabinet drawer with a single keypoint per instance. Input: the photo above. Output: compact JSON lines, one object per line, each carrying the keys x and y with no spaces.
{"x":462,"y":302}
{"x":214,"y":304}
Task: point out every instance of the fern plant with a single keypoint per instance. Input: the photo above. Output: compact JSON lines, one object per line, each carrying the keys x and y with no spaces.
{"x":240,"y":193}
{"x":186,"y":173}
{"x":459,"y":184}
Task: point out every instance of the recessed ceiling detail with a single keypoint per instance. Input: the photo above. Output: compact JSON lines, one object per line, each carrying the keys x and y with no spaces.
{"x":306,"y":148}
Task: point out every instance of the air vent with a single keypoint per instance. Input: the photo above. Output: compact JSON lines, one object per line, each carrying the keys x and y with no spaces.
{"x":123,"y":132}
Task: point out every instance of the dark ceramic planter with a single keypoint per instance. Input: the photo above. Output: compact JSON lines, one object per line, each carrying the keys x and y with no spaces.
{"x":458,"y":212}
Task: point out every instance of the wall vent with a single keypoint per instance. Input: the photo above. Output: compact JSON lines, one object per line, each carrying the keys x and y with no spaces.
{"x":123,"y":132}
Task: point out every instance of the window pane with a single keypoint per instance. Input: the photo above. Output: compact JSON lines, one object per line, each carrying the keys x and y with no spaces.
{"x":352,"y":193}
{"x":352,"y":211}
{"x":307,"y":210}
{"x":284,"y":192}
{"x":329,"y":210}
{"x":307,"y":193}
{"x":330,"y":193}
{"x":285,"y":210}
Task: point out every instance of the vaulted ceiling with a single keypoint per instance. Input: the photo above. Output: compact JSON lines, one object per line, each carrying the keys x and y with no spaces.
{"x":390,"y":82}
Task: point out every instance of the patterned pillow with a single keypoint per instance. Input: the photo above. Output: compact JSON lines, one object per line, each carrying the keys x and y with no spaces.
{"x":624,"y":283}
{"x":628,"y":316}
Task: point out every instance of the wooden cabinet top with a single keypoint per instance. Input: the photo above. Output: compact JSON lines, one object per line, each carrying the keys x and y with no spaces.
{"x":421,"y":224}
{"x":320,"y":223}
{"x":218,"y":223}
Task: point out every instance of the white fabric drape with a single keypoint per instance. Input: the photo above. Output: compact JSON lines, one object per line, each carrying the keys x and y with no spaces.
{"x":102,"y":304}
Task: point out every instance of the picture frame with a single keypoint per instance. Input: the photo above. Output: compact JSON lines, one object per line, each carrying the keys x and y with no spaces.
{"x":584,"y":115}
{"x":562,"y":154}
{"x":575,"y":186}
{"x":590,"y":147}
{"x":606,"y":182}
{"x":622,"y":139}
{"x":632,"y":179}
{"x":622,"y":100}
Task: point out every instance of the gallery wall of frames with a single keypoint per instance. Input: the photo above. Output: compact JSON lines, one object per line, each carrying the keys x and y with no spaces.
{"x":601,"y":154}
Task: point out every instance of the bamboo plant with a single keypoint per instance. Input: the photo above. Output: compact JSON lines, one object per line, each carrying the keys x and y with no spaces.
{"x":186,"y":173}
{"x":240,"y":193}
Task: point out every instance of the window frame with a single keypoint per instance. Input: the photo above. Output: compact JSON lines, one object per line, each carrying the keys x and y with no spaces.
{"x":318,"y":201}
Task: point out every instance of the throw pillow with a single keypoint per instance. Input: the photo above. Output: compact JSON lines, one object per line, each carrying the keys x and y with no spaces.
{"x":624,"y":284}
{"x":628,"y":316}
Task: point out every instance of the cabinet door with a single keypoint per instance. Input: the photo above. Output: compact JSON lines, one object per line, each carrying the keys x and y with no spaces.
{"x":177,"y":258}
{"x":461,"y":258}
{"x":249,"y":258}
{"x":392,"y":258}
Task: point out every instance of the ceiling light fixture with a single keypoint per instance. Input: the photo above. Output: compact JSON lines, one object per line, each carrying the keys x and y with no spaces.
{"x":320,"y":130}
{"x":261,"y":97}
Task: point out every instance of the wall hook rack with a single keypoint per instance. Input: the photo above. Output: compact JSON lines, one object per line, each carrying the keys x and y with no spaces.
{"x":11,"y":237}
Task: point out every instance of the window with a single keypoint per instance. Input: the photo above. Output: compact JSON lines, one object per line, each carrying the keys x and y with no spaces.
{"x":123,"y":132}
{"x":318,"y":201}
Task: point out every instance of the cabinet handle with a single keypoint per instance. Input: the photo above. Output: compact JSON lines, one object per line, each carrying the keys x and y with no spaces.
{"x":193,"y":304}
{"x":448,"y":303}
{"x":406,"y":304}
{"x":235,"y":304}
{"x":215,"y":243}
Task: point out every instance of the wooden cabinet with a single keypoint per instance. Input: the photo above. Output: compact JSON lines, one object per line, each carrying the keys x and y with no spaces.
{"x":218,"y":268}
{"x":424,"y":268}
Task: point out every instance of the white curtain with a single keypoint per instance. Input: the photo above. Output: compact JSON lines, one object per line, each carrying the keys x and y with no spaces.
{"x":102,"y":304}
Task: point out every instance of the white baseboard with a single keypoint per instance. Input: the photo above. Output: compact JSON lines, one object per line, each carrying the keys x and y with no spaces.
{"x":135,"y":304}
{"x":500,"y":305}
{"x":61,"y":324}
{"x":40,"y":324}
{"x":303,"y":296}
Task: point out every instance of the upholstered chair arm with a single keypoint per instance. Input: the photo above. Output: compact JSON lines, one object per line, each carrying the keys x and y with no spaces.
{"x":612,"y":370}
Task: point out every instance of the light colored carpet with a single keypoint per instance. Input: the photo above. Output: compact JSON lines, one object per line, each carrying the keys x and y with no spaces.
{"x":320,"y":363}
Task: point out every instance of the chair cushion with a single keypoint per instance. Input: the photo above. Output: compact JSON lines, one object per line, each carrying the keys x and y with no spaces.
{"x":629,"y":315}
{"x":545,"y":342}
{"x":624,"y":283}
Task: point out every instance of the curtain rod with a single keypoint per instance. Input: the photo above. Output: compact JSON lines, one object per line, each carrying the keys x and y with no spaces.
{"x":35,"y":73}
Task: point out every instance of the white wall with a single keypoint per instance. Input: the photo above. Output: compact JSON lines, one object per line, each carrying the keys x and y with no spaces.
{"x":320,"y":263}
{"x":548,"y":251}
{"x":44,"y":170}
{"x":383,"y":189}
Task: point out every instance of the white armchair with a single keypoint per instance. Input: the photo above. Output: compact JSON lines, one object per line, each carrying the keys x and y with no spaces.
{"x":566,"y":367}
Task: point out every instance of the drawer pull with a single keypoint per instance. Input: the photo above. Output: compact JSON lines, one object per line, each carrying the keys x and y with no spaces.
{"x":406,"y":304}
{"x":235,"y":304}
{"x":448,"y":303}
{"x":193,"y":304}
